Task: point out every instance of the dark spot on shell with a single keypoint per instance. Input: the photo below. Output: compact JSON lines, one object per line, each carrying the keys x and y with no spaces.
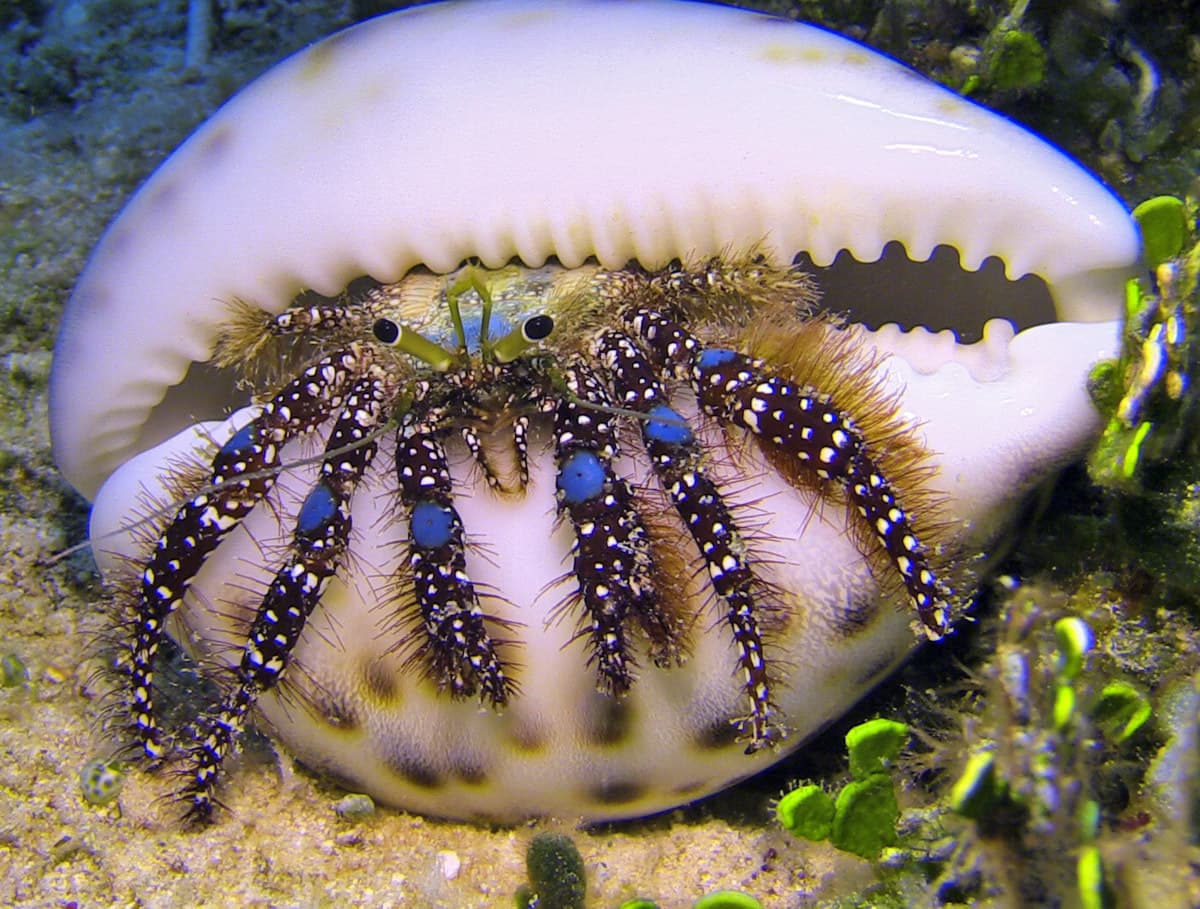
{"x":690,"y":790}
{"x":335,"y":710}
{"x":117,"y":242}
{"x":855,"y":617}
{"x":214,"y":145}
{"x":163,"y":196}
{"x":616,"y":792}
{"x":526,"y":733}
{"x":873,"y":672}
{"x":319,"y":58}
{"x":414,"y":768}
{"x":468,"y":768}
{"x":607,"y":721}
{"x":380,"y":681}
{"x":760,"y":18}
{"x":718,"y":734}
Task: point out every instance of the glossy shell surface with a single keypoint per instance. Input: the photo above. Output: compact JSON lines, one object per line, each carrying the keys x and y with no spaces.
{"x":578,"y":131}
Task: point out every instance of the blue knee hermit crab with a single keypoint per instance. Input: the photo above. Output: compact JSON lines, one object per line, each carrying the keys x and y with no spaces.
{"x":507,"y":538}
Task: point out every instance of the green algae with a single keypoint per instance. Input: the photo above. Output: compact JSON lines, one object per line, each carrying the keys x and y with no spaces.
{"x":862,"y":818}
{"x":557,"y":875}
{"x":727,"y":899}
{"x":13,"y":672}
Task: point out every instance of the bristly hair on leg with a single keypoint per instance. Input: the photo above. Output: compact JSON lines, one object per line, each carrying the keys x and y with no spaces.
{"x":822,"y":353}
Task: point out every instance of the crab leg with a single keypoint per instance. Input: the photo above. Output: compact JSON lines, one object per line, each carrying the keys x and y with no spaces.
{"x":318,"y":546}
{"x":243,"y":472}
{"x":456,"y":646}
{"x":802,"y":422}
{"x":613,"y":563}
{"x":676,"y":458}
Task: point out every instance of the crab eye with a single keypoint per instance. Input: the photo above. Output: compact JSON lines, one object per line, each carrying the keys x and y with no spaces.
{"x":520,"y":339}
{"x":537,"y":328}
{"x":386,"y":331}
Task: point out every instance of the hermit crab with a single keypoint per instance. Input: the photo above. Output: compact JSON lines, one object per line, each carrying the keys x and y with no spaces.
{"x":467,"y":397}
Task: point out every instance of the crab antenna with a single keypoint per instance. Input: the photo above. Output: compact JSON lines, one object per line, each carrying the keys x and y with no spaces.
{"x":469,"y":279}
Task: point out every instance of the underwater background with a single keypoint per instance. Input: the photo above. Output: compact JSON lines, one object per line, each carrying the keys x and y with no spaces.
{"x":1099,"y":599}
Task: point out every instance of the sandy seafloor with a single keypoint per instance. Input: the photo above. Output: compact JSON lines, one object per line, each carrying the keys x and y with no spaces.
{"x":63,"y":174}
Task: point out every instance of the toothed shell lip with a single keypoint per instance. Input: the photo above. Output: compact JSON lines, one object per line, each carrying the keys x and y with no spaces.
{"x":399,"y":142}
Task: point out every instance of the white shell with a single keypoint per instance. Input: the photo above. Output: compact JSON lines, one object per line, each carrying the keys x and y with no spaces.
{"x":636,"y":130}
{"x":641,"y":130}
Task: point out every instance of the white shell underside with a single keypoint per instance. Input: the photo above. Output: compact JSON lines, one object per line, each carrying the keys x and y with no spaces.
{"x":616,"y":131}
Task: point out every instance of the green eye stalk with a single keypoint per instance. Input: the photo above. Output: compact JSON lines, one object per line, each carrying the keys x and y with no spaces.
{"x":522,"y":338}
{"x":415,"y":345}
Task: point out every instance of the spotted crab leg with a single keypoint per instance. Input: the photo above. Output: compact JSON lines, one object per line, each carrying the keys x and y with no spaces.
{"x":470,"y":437}
{"x":677,"y":460}
{"x":456,"y":646}
{"x":799,"y":421}
{"x":613,"y":562}
{"x":243,"y":472}
{"x":318,"y":546}
{"x":520,"y":430}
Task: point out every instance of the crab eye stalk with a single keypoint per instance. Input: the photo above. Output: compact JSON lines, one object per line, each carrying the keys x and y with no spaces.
{"x":520,"y":339}
{"x":396,"y":335}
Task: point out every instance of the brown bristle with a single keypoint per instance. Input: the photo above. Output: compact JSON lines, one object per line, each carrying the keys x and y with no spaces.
{"x":737,"y":287}
{"x":245,"y":339}
{"x":669,"y":548}
{"x":822,"y":353}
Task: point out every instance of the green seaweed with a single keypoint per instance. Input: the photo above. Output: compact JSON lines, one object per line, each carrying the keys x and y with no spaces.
{"x":1017,"y":60}
{"x":1163,"y":221}
{"x":1046,"y":770}
{"x":354,"y":807}
{"x":865,"y":815}
{"x":557,"y":877}
{"x":862,"y":819}
{"x":727,"y":899}
{"x":1145,"y":392}
{"x":807,"y":811}
{"x":13,"y":672}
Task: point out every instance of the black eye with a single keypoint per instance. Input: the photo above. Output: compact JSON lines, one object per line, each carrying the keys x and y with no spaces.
{"x":386,"y":331}
{"x":537,"y":328}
